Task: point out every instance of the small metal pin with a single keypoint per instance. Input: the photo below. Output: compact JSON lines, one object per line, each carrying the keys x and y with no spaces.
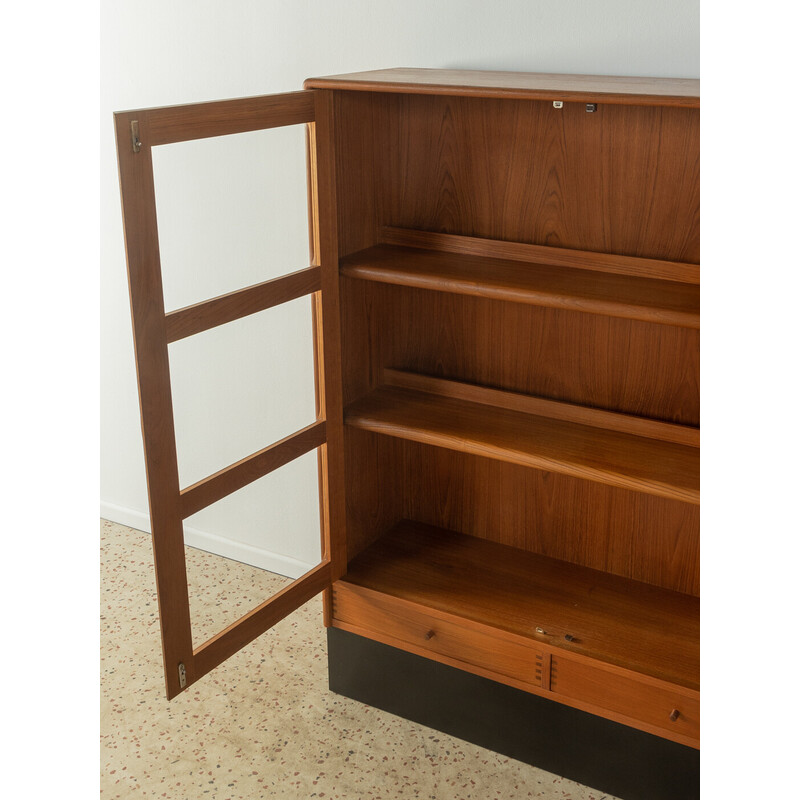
{"x":569,"y":637}
{"x":542,"y":631}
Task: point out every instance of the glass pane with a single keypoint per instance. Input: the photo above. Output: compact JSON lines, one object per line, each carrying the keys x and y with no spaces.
{"x":242,"y":386}
{"x":272,"y":525}
{"x":232,"y":212}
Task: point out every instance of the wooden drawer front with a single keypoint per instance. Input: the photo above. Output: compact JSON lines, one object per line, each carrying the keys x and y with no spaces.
{"x":459,"y":643}
{"x":639,"y":702}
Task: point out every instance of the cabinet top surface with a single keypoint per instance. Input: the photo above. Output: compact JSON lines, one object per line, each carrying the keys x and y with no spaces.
{"x":521,"y":85}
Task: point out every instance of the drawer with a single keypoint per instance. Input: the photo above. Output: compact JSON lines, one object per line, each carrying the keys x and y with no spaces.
{"x":462,"y":643}
{"x":635,"y":700}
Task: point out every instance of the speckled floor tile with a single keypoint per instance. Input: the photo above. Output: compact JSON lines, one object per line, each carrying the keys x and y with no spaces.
{"x":264,"y":725}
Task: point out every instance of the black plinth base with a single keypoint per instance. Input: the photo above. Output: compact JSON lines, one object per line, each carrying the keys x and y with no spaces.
{"x":604,"y":755}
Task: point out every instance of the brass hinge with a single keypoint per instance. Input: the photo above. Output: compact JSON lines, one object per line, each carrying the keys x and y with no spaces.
{"x":135,"y":141}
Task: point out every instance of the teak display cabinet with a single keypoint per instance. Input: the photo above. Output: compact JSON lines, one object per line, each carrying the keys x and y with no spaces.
{"x":506,"y":306}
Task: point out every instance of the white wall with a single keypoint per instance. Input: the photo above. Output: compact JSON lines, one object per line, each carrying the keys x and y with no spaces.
{"x":232,"y":211}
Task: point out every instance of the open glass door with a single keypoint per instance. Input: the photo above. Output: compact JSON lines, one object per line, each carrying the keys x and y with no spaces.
{"x":154,"y":329}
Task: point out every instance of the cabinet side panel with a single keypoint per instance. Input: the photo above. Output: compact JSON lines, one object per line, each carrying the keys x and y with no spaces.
{"x":634,"y":535}
{"x":624,"y":179}
{"x":357,"y":187}
{"x":357,"y":208}
{"x":374,"y":473}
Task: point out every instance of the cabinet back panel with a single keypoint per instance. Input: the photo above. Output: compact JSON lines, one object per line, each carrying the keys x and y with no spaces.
{"x":622,"y":180}
{"x":621,"y":365}
{"x":634,"y":535}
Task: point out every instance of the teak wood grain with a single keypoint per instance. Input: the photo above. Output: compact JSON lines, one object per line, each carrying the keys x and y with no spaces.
{"x":451,"y":640}
{"x":525,"y":85}
{"x":538,"y":254}
{"x":618,"y":365}
{"x":506,"y":313}
{"x":218,"y":648}
{"x":629,"y":699}
{"x":200,"y":317}
{"x":155,"y":398}
{"x":541,"y":406}
{"x":373,"y":493}
{"x":665,"y":302}
{"x":327,"y":332}
{"x":183,"y":123}
{"x":649,"y":704}
{"x":646,"y":629}
{"x":634,"y":535}
{"x":661,"y":468}
{"x":137,"y":133}
{"x":623,"y":180}
{"x":199,"y":495}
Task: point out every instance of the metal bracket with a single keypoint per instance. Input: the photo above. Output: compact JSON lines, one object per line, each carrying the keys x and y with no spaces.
{"x":591,"y":107}
{"x":182,"y":675}
{"x":137,"y":144}
{"x":558,"y":104}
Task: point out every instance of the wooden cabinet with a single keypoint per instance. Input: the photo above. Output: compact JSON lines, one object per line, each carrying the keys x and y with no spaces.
{"x":505,"y":285}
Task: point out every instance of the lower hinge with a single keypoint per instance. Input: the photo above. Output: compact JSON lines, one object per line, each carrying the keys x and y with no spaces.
{"x":182,"y":676}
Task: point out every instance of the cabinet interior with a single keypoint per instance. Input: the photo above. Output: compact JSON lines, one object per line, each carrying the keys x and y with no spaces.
{"x":519,"y":300}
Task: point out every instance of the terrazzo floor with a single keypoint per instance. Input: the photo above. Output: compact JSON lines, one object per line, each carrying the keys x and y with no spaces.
{"x":264,"y":724}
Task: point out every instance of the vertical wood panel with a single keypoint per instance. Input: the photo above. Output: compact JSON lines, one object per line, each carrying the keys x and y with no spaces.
{"x":374,"y":481}
{"x":621,"y":180}
{"x":358,"y":191}
{"x":328,"y":337}
{"x":615,"y":364}
{"x":647,"y":538}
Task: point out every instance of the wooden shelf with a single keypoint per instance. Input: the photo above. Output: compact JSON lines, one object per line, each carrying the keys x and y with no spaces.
{"x":633,"y":625}
{"x":662,"y":468}
{"x":647,"y":299}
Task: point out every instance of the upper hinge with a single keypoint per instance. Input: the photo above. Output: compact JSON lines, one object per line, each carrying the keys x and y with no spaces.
{"x":135,"y":141}
{"x":182,"y":675}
